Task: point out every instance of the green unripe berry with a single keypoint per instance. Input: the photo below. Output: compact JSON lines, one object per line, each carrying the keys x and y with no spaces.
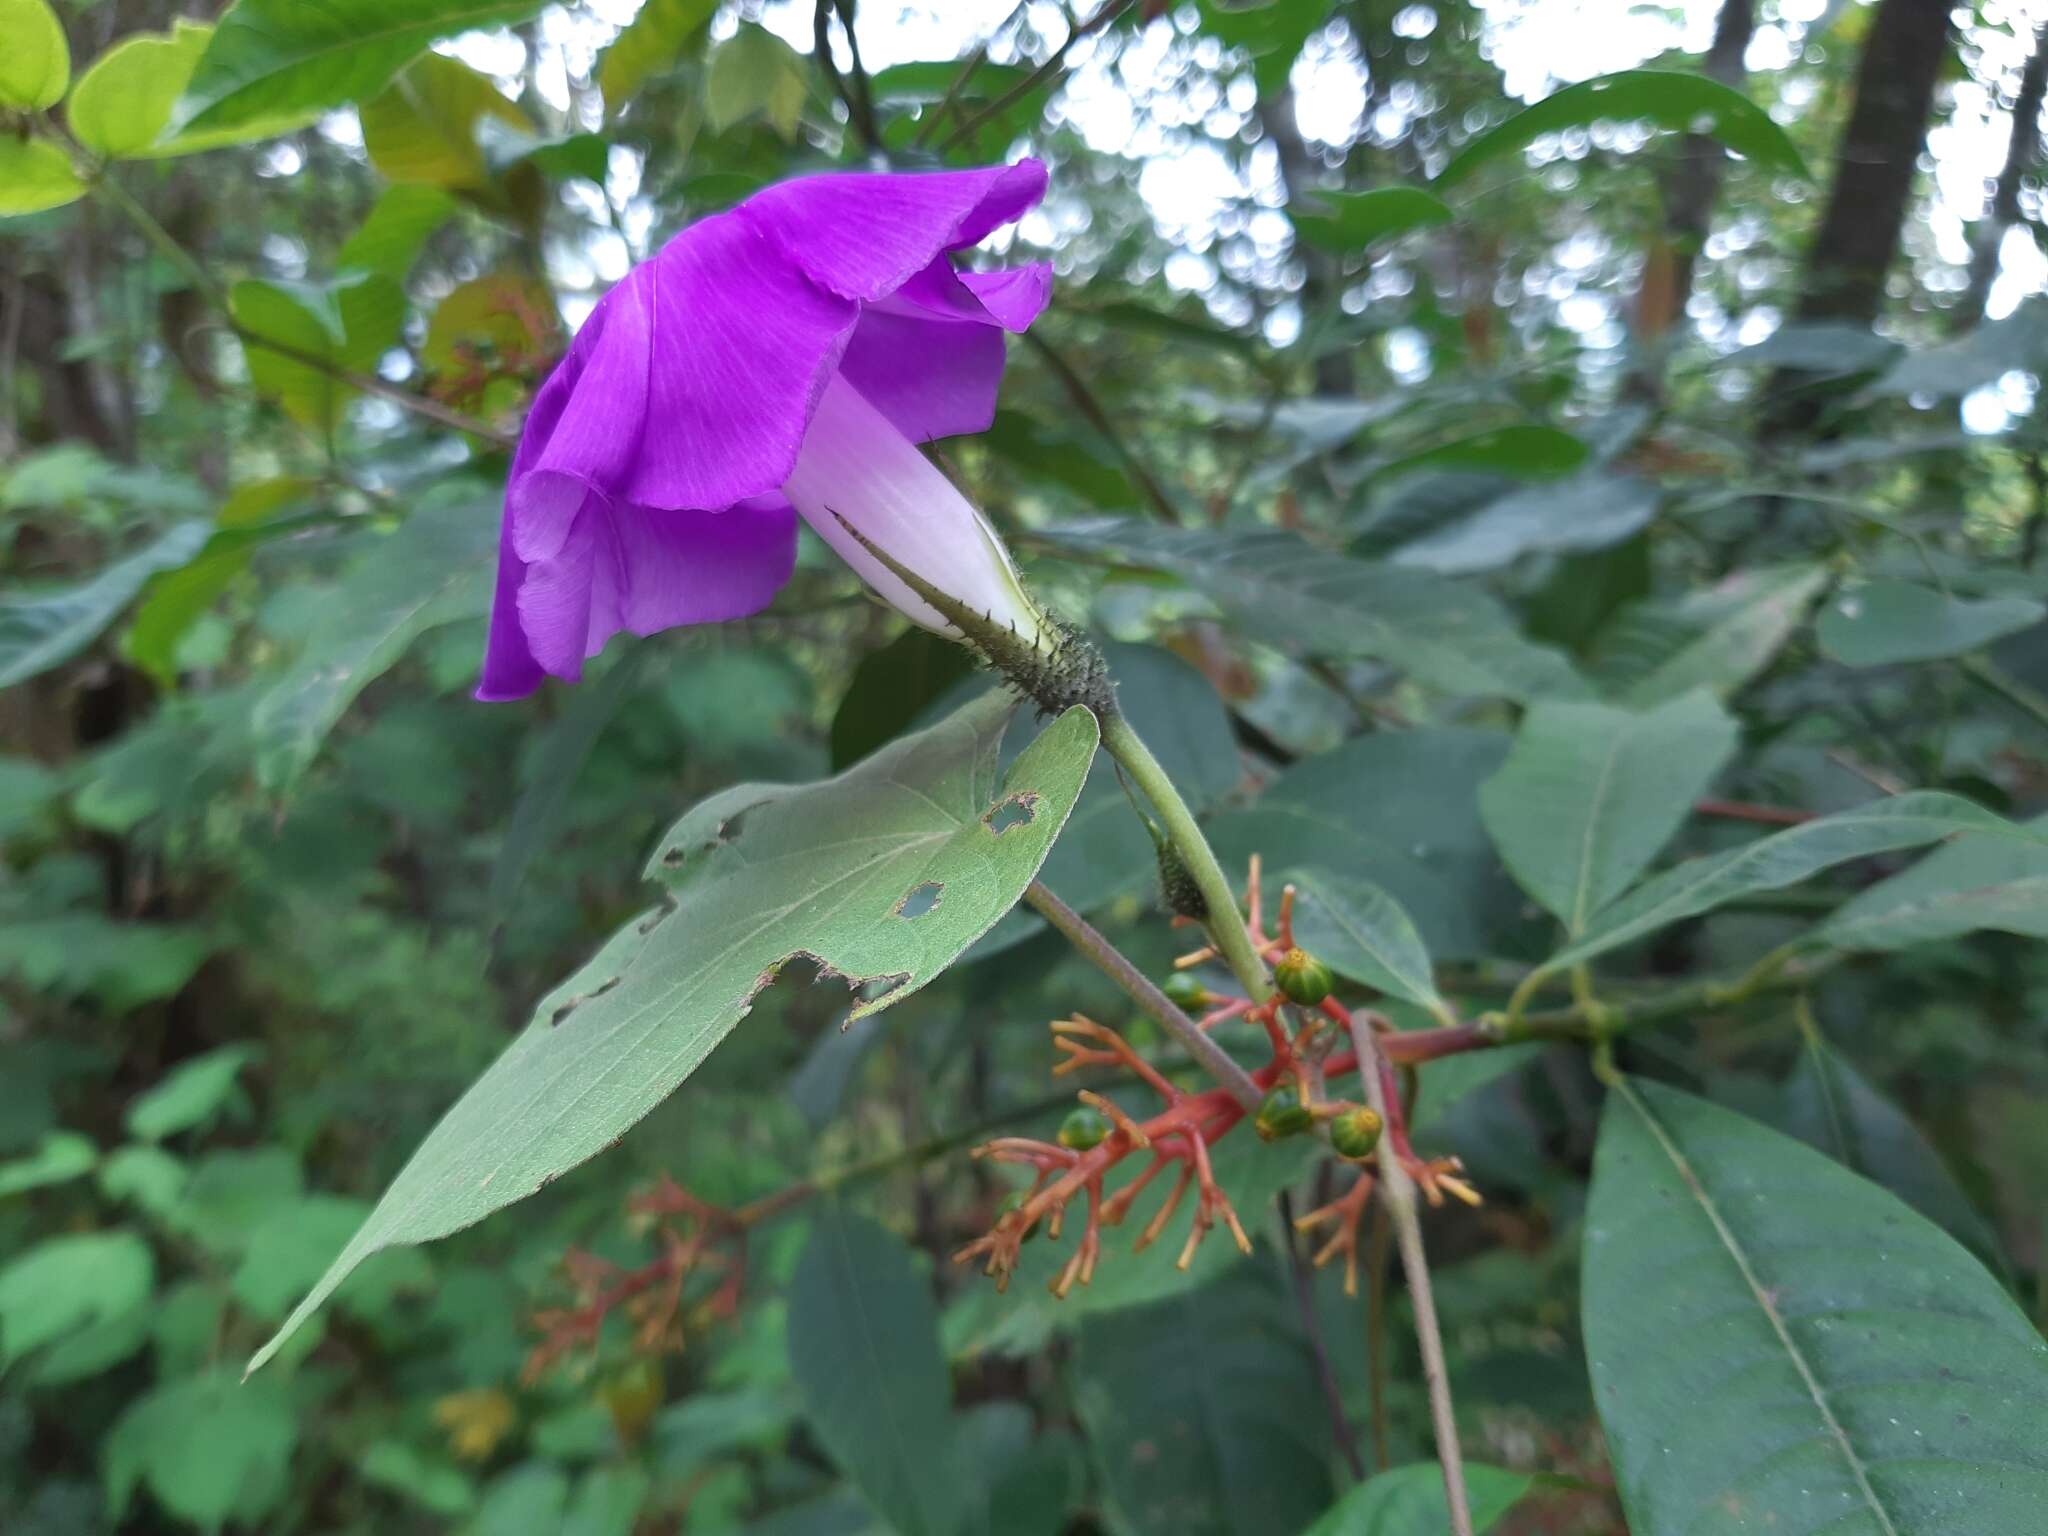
{"x":1355,"y":1133}
{"x":1302,"y":978}
{"x":1184,"y":991}
{"x":1282,"y":1114}
{"x":1083,"y":1130}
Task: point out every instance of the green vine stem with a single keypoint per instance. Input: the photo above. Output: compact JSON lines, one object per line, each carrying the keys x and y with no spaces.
{"x":1226,"y":927}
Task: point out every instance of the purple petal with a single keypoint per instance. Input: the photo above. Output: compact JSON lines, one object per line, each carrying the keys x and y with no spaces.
{"x":622,"y":567}
{"x":930,"y":356}
{"x":865,"y":236}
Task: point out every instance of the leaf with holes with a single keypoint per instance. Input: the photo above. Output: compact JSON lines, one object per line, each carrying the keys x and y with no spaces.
{"x":1679,"y":103}
{"x":1777,"y":1344}
{"x":1591,"y":793}
{"x":1287,"y":592}
{"x":882,"y":876}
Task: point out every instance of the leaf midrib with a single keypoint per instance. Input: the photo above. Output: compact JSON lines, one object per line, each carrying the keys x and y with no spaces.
{"x":1740,"y":1257}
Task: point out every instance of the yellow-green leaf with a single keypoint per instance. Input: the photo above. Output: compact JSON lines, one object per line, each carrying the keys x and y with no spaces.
{"x":34,"y":175}
{"x":422,"y":129}
{"x":35,"y":64}
{"x":654,"y":40}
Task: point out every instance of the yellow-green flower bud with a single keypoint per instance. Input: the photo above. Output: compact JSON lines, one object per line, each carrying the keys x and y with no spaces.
{"x":1282,"y":1114}
{"x":1302,"y":978}
{"x":1355,"y":1133}
{"x":1083,"y":1130}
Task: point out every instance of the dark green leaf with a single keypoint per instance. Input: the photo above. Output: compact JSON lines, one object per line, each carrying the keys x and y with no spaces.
{"x":1777,"y":1343}
{"x":1410,"y":1501}
{"x":1203,"y":1413}
{"x":1782,"y":859}
{"x":1678,"y":103}
{"x":757,"y":876}
{"x":1359,"y":931}
{"x":41,"y":629}
{"x":1347,"y":222}
{"x":1974,"y":883}
{"x":864,"y":1347}
{"x":1590,"y":794}
{"x":1880,"y":623}
{"x":1291,"y":594}
{"x":1588,"y":511}
{"x":892,"y":687}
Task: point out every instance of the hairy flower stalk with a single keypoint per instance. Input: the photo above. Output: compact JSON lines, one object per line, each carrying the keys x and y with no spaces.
{"x":781,"y":360}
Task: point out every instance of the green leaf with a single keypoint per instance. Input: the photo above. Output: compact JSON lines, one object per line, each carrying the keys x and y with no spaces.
{"x":1974,"y":883}
{"x":1399,"y":808}
{"x":864,"y":1348}
{"x":607,"y":1501}
{"x":1359,"y":931}
{"x":1286,"y":592}
{"x":1829,"y":1105}
{"x":1594,"y":510}
{"x":556,"y":765}
{"x":754,"y":73}
{"x":1782,"y":859}
{"x":60,"y":1157}
{"x":147,"y":1177}
{"x":122,"y":105}
{"x":1718,"y":638}
{"x":436,"y":1485}
{"x":42,"y":629}
{"x":272,"y":57}
{"x":892,"y":687}
{"x":932,"y":80}
{"x":1678,"y":103}
{"x":209,"y":1448}
{"x":195,"y":1092}
{"x":1527,"y":448}
{"x":883,"y":876}
{"x":35,"y":175}
{"x":70,"y":1283}
{"x":119,"y":965}
{"x":347,"y":324}
{"x":1970,"y":361}
{"x":1881,"y":623}
{"x":389,"y":240}
{"x":176,"y":599}
{"x":1775,"y":1342}
{"x":1410,"y":1501}
{"x":432,"y":571}
{"x":653,"y":41}
{"x":36,"y":65}
{"x":1590,"y":794}
{"x":422,"y":129}
{"x":1354,"y":220}
{"x":1201,"y":1412}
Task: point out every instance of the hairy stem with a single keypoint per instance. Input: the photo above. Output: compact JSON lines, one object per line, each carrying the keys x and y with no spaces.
{"x":1226,"y":924}
{"x":1077,"y":931}
{"x":1397,"y":1194}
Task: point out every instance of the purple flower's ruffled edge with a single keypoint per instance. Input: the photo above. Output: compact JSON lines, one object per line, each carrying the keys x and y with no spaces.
{"x":678,"y":412}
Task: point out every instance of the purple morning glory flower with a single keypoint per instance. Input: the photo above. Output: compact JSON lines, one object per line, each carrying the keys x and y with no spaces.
{"x":783,"y":358}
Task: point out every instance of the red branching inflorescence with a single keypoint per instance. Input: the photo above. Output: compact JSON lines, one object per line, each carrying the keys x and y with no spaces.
{"x":1307,"y":1052}
{"x":694,"y":1239}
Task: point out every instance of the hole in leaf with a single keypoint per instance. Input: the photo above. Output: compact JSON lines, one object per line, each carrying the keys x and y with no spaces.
{"x":1017,"y":811}
{"x":920,"y":899}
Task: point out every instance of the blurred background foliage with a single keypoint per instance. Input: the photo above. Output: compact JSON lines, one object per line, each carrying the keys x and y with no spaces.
{"x":1387,"y":411}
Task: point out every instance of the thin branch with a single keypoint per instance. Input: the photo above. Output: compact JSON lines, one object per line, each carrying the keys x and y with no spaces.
{"x":112,"y":192}
{"x":1079,"y":932}
{"x":1053,"y":65}
{"x":1397,"y":1194}
{"x":860,"y":106}
{"x":950,"y":103}
{"x":1376,"y":1332}
{"x":1091,"y":410}
{"x":1312,"y":1326}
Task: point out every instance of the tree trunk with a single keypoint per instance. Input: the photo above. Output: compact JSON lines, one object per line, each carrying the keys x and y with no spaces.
{"x":1697,"y":177}
{"x":2021,"y":151}
{"x":1875,"y":167}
